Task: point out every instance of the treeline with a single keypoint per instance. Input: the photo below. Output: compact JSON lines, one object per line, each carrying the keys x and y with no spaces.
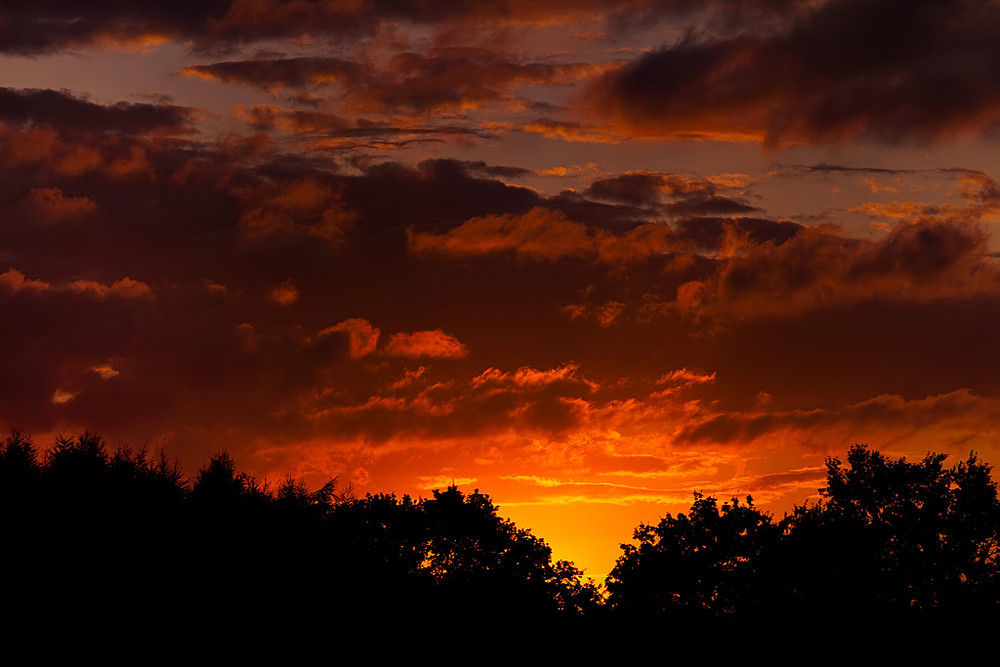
{"x":890,"y":540}
{"x":124,"y":534}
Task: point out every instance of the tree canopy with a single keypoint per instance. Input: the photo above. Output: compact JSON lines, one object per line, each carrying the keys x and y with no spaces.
{"x":696,"y":563}
{"x":888,"y":538}
{"x":96,"y":523}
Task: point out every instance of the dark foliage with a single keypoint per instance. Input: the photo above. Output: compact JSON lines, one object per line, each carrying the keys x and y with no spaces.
{"x":122,"y":536}
{"x":697,"y":564}
{"x":889,"y":541}
{"x":892,"y":538}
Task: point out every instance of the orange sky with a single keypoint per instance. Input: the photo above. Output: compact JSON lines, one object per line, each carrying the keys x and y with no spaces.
{"x":588,"y":257}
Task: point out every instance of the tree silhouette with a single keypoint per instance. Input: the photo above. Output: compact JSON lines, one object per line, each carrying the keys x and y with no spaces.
{"x":888,"y":540}
{"x":18,"y":460}
{"x":453,"y":551}
{"x":125,"y":533}
{"x":474,"y":554}
{"x":891,"y":537}
{"x":696,"y":564}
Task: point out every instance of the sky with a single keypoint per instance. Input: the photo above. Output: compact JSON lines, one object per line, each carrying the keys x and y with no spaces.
{"x":588,"y":257}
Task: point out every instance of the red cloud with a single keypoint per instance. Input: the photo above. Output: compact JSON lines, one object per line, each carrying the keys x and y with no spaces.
{"x":362,"y":335}
{"x":432,"y":344}
{"x":545,"y":234}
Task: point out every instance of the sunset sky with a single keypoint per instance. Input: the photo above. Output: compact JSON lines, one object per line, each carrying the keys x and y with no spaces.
{"x":586,"y":256}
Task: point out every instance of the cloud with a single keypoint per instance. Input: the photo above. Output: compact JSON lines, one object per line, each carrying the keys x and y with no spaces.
{"x":714,"y":234}
{"x":362,"y":335}
{"x":549,"y":234}
{"x":126,"y":288}
{"x":34,"y":28}
{"x":818,"y":268}
{"x":455,"y":77}
{"x":643,"y":187}
{"x":54,"y":26}
{"x":532,"y":378}
{"x":572,"y":131}
{"x":52,"y":205}
{"x":829,"y":74}
{"x":284,"y":294}
{"x":46,"y":148}
{"x":67,"y":113}
{"x":14,"y":281}
{"x":543,"y":402}
{"x":325,"y":130}
{"x":425,"y":344}
{"x":436,"y":80}
{"x":960,"y":408}
{"x":685,"y":377}
{"x":538,"y":234}
{"x":273,"y":74}
{"x":306,"y":207}
{"x":544,"y":234}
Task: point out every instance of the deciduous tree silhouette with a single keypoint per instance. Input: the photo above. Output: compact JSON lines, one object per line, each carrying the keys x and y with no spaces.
{"x":889,"y":540}
{"x":477,"y":556}
{"x":693,"y":565}
{"x":891,"y":537}
{"x":453,"y":552}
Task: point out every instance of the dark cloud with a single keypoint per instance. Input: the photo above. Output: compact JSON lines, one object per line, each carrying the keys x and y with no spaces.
{"x":647,"y":187}
{"x":707,"y":233}
{"x":599,"y":213}
{"x":277,"y":73}
{"x":65,"y":112}
{"x":349,"y":134}
{"x":844,"y":169}
{"x":54,"y":25}
{"x":436,"y":194}
{"x":452,"y":77}
{"x":817,"y":269}
{"x":875,"y":413}
{"x":885,"y":71}
{"x":716,"y":205}
{"x":719,"y":15}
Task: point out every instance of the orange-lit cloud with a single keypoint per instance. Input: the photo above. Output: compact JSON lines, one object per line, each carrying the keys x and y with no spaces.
{"x":15,"y":281}
{"x":284,"y":294}
{"x":126,"y":288}
{"x":430,"y":344}
{"x":362,"y":335}
{"x":572,"y":131}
